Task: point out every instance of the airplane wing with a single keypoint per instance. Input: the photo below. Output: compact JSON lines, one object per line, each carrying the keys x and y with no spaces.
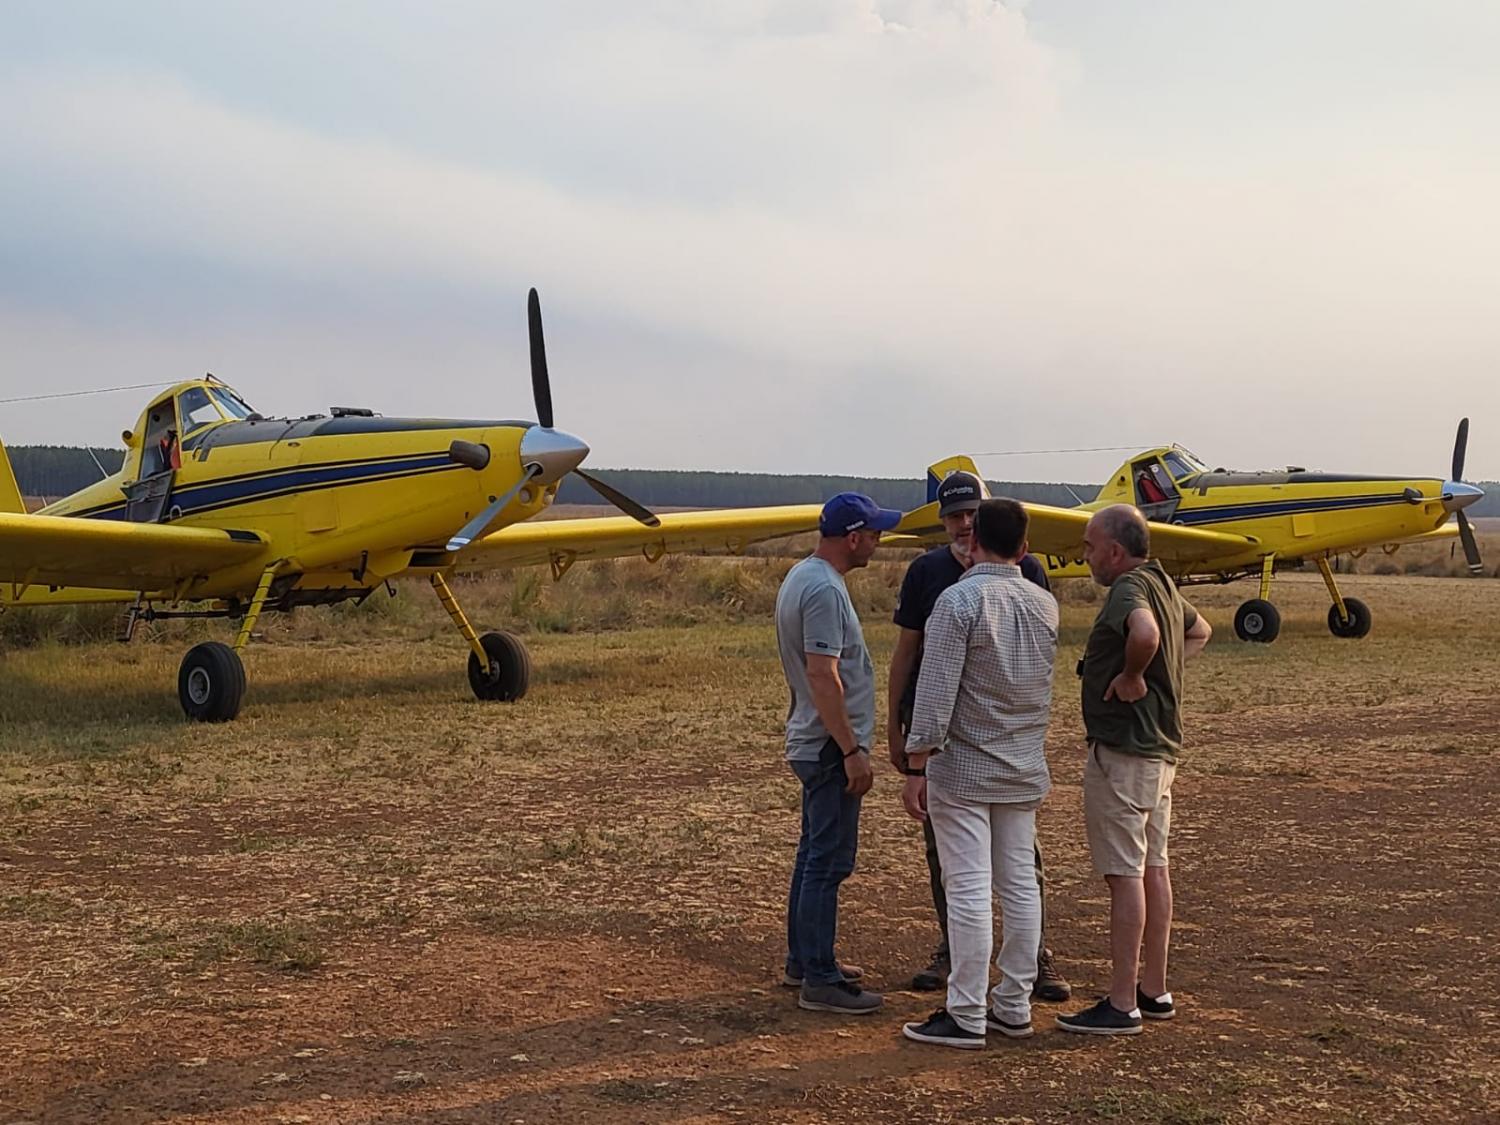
{"x":111,"y":554}
{"x":1436,"y":535}
{"x":1059,"y":531}
{"x":563,"y":542}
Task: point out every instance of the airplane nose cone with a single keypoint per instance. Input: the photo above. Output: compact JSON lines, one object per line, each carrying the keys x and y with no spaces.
{"x":554,"y":452}
{"x":1457,"y":495}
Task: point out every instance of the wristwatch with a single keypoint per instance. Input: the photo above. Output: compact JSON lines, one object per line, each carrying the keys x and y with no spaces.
{"x":857,"y":750}
{"x":909,"y":772}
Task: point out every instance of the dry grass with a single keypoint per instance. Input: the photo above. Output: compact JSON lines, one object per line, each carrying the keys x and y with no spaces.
{"x":373,"y":867}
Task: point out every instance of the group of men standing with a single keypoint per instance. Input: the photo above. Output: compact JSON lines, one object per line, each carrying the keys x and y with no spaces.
{"x":970,"y":691}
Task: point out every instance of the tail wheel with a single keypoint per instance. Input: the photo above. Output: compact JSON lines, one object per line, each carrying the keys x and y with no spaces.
{"x":509,"y":670}
{"x":1357,"y":624}
{"x":211,"y":683}
{"x":1257,"y":620}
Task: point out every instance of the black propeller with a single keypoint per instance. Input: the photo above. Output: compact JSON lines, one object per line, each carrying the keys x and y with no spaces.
{"x":544,"y":451}
{"x":620,"y":500}
{"x":541,"y":385}
{"x":1465,"y":529}
{"x":541,"y":388}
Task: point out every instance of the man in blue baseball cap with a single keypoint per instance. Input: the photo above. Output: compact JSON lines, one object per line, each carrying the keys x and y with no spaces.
{"x":828,"y":730}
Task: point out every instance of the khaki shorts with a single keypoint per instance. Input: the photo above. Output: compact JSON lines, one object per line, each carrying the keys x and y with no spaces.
{"x":1127,"y":808}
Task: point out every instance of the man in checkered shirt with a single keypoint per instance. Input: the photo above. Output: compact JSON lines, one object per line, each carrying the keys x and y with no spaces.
{"x":977,"y":768}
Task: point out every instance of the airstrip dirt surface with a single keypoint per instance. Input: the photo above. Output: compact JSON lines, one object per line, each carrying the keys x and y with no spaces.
{"x":373,"y":899}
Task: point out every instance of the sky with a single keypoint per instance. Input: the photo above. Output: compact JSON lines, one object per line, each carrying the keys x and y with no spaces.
{"x":845,"y":236}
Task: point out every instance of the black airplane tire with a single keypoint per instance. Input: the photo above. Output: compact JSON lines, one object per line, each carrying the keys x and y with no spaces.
{"x":1257,"y":620}
{"x":1358,"y":624}
{"x":509,"y":673}
{"x":211,"y":683}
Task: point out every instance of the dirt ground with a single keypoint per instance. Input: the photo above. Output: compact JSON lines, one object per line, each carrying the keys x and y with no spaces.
{"x":372,"y":899}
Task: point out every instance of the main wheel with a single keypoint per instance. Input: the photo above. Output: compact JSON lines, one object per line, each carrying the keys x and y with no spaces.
{"x":509,"y":671}
{"x":211,"y":683}
{"x":1358,"y":622}
{"x":1257,"y":620}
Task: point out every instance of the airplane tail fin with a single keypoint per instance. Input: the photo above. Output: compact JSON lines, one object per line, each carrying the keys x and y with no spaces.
{"x":939,"y":470}
{"x":10,"y":491}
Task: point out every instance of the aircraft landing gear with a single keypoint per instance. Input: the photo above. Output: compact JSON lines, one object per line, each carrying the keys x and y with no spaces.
{"x":1347,"y":617}
{"x":211,"y":683}
{"x":499,"y":665}
{"x":1258,"y":620}
{"x":211,"y":678}
{"x":506,"y":671}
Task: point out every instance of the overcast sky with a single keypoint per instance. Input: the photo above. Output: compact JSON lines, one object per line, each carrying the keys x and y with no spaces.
{"x":771,"y":235}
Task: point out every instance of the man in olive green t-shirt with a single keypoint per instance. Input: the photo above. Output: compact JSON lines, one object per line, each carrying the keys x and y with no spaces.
{"x":1132,"y":692}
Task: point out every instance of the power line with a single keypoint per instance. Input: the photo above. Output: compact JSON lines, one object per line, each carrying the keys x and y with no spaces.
{"x":81,"y":394}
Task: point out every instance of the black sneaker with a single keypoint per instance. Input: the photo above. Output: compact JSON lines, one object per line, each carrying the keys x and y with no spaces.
{"x":940,"y":1028}
{"x":1102,"y":1019}
{"x":935,"y":976}
{"x":1050,"y":985}
{"x":1012,"y":1030}
{"x":841,"y":996}
{"x":1161,"y":1008}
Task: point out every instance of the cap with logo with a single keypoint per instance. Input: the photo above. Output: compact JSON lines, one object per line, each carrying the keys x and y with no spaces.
{"x":959,"y":492}
{"x":854,"y":511}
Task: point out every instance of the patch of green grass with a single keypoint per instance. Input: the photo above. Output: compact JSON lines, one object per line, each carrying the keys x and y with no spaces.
{"x":37,"y":906}
{"x":280,"y":945}
{"x":568,"y":847}
{"x":632,"y":1091}
{"x":1333,"y":1033}
{"x":1148,"y":1105}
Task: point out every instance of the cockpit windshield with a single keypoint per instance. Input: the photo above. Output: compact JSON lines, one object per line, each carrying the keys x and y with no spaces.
{"x":1182,"y":464}
{"x":197,"y":410}
{"x":231,"y":403}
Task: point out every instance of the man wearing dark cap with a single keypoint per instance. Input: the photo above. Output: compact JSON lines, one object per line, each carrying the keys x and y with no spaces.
{"x":958,"y":498}
{"x":829,"y":728}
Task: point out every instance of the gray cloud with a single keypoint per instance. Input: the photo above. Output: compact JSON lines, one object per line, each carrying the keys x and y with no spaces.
{"x":752,"y":223}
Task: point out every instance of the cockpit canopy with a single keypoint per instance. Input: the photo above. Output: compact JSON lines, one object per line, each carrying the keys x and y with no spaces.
{"x":204,"y":404}
{"x":1181,"y":463}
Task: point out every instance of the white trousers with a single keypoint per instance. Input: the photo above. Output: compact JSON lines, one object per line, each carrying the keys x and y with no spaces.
{"x":984,"y":849}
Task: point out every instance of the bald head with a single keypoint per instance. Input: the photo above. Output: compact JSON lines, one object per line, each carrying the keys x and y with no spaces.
{"x":1117,"y":539}
{"x":1126,"y":526}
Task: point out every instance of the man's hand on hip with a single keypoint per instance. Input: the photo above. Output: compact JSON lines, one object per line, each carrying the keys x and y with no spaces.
{"x":860,"y":773}
{"x":1126,"y":688}
{"x":914,"y":797}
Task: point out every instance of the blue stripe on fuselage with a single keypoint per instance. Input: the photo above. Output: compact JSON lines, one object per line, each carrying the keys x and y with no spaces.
{"x":1260,"y":509}
{"x":248,"y":488}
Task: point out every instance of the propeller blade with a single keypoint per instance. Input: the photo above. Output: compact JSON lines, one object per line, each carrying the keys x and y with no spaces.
{"x":541,"y":385}
{"x":1471,"y":548}
{"x":480,"y":523}
{"x":620,"y":500}
{"x":1460,"y":449}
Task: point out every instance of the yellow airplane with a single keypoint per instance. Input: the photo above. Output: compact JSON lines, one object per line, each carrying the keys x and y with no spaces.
{"x":1213,"y":525}
{"x":217,"y":504}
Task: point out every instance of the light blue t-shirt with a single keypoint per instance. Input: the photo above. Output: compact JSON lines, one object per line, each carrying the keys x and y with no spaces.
{"x":814,"y":615}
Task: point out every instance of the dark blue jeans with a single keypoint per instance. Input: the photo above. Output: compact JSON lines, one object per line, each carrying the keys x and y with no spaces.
{"x":825,"y":857}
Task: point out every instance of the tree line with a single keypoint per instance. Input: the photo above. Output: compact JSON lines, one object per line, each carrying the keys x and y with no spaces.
{"x":57,"y":470}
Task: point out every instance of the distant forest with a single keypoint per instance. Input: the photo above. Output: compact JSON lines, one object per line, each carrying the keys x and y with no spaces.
{"x":53,"y":471}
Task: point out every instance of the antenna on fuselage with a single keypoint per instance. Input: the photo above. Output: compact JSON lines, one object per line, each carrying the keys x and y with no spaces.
{"x":103,"y":473}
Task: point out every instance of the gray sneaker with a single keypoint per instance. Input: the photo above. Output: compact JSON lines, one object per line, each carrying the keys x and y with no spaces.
{"x":843,"y":996}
